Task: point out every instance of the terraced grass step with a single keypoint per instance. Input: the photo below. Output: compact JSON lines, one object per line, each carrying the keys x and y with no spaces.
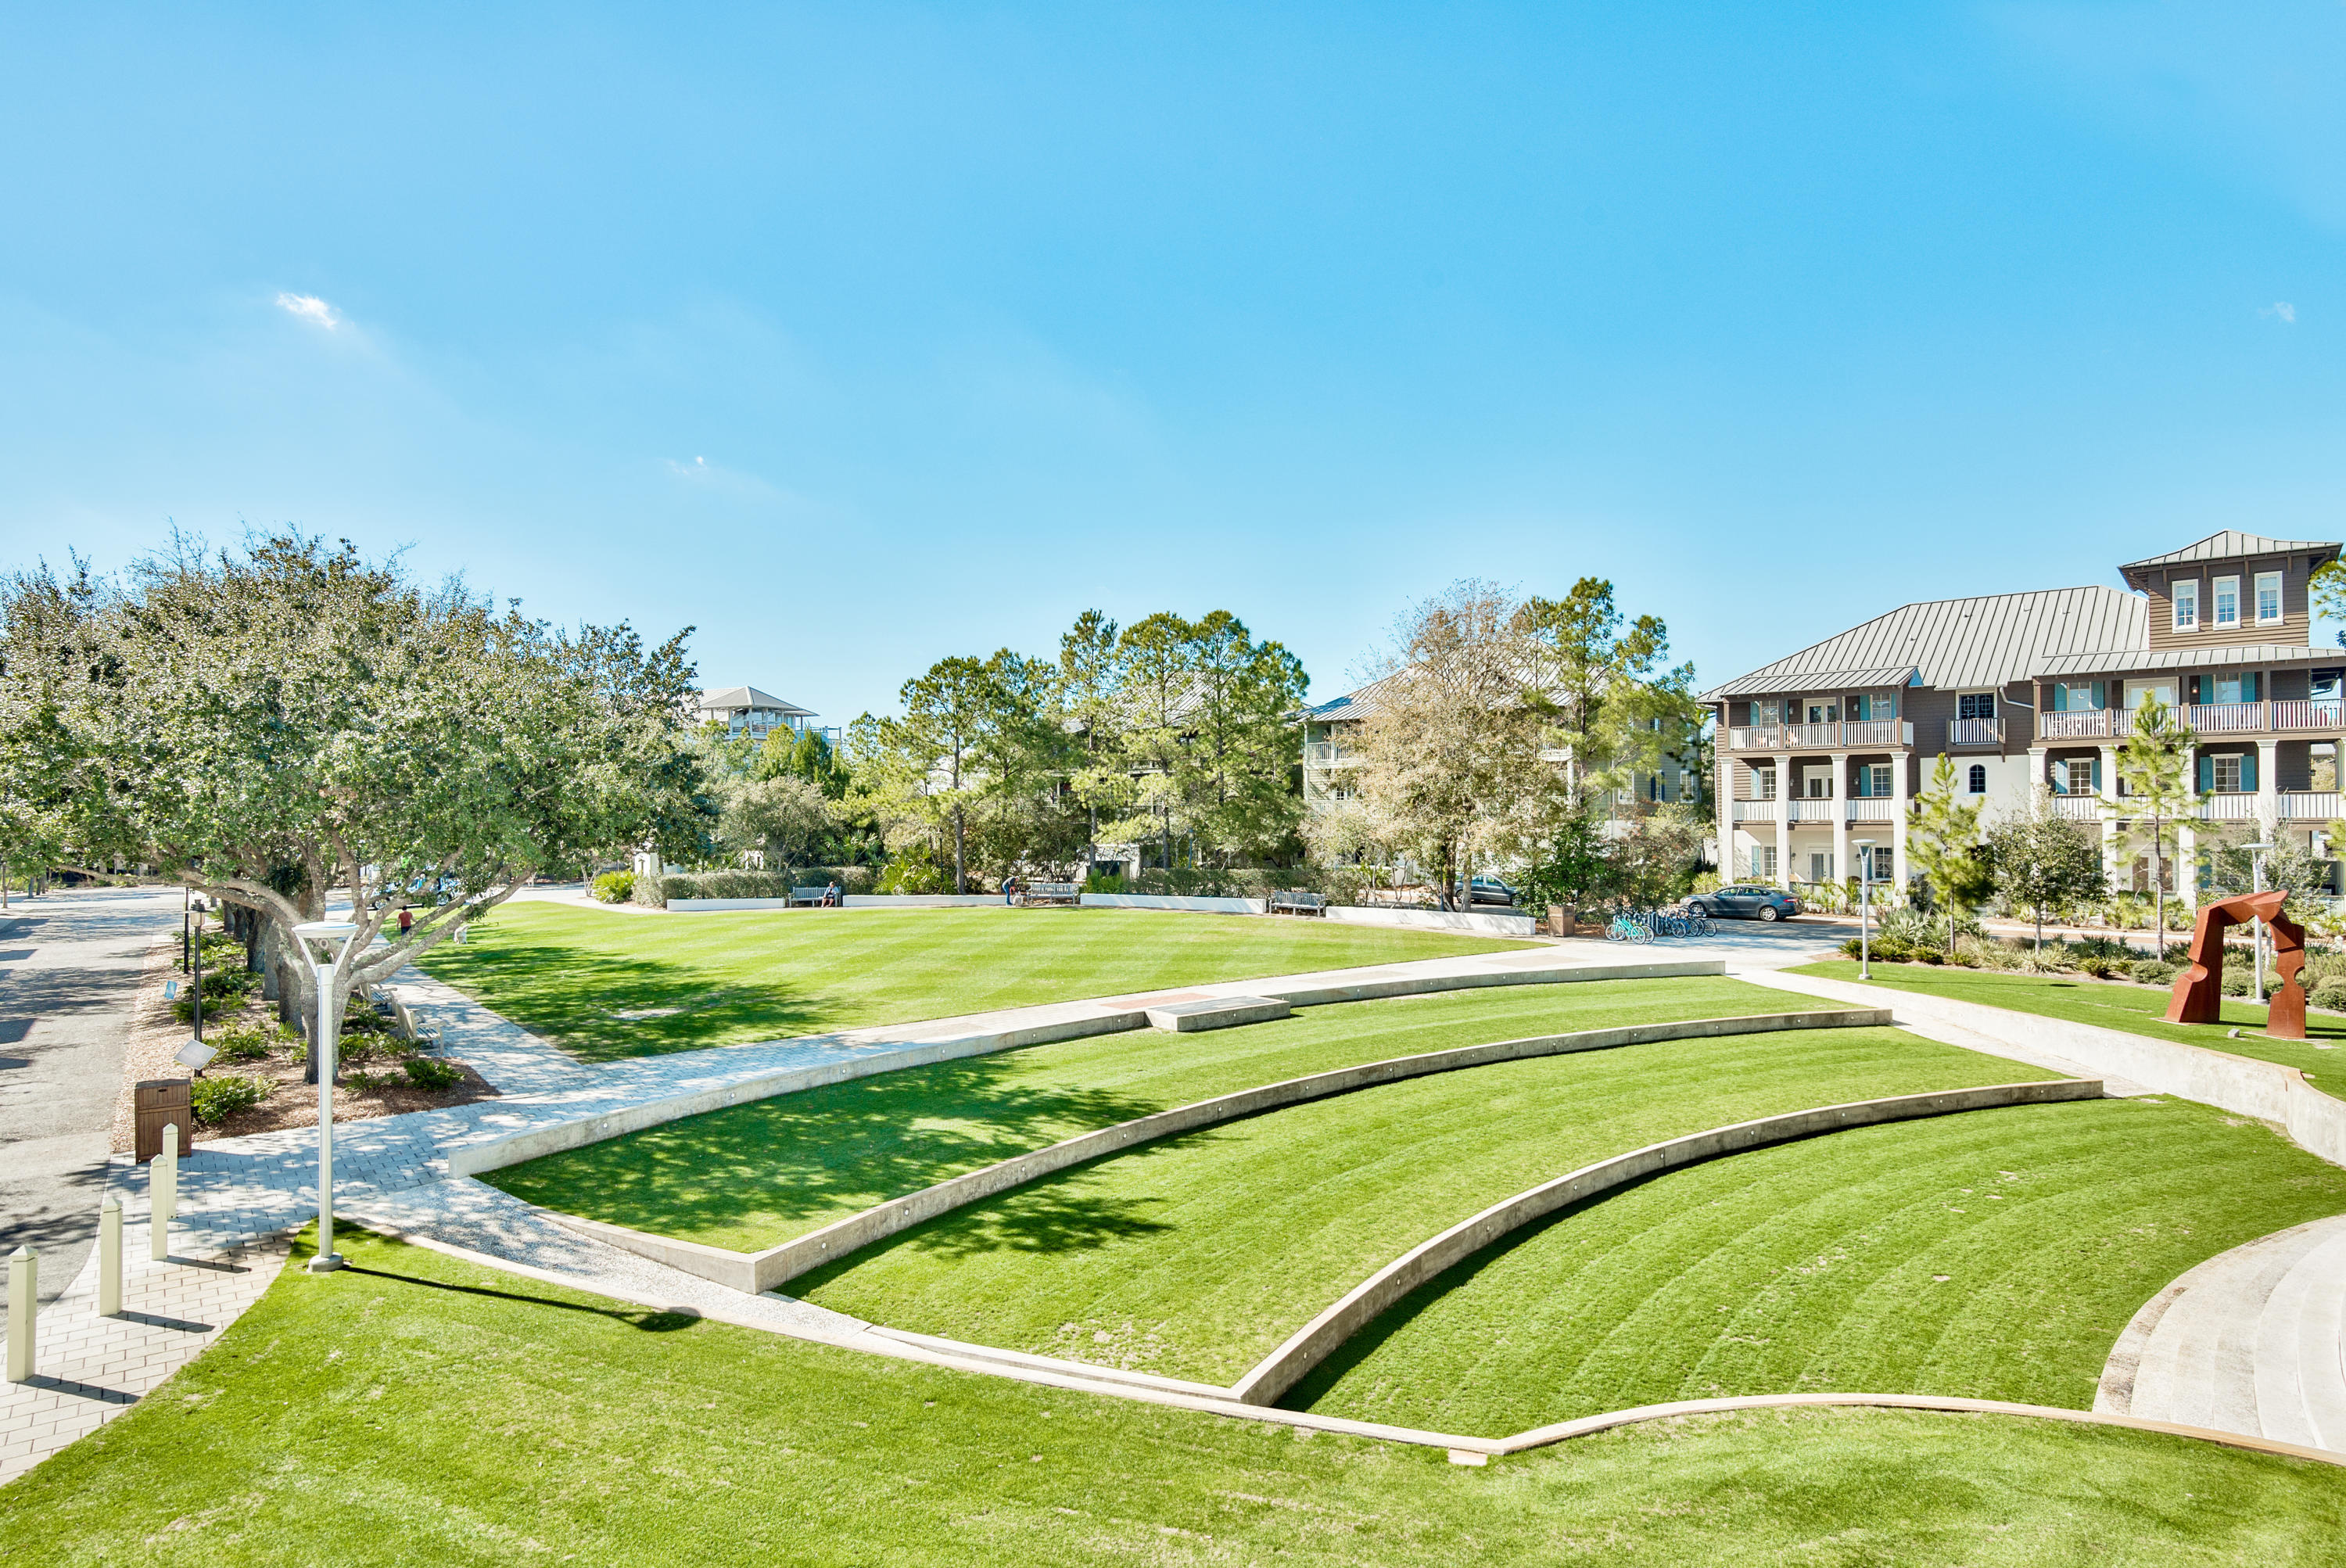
{"x":1195,"y":1257}
{"x":1995,"y":1255}
{"x":750,"y":1176}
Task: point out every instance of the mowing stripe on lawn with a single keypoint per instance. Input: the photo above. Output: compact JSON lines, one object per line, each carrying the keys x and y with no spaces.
{"x":1994,"y":1256}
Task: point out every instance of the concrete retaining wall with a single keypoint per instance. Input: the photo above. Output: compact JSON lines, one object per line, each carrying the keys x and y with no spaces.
{"x":2265,"y":1090}
{"x":777,"y":1265}
{"x":849,"y":901}
{"x":1318,"y":1339}
{"x":1167,"y":902}
{"x":1480,"y":922}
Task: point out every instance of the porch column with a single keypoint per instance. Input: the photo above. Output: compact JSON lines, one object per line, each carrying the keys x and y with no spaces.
{"x":1839,"y":808}
{"x":2268,"y":789}
{"x":2035,"y":776}
{"x":2108,"y":793}
{"x":1722,"y":801}
{"x":1784,"y":784}
{"x":2187,"y":841}
{"x":1898,"y":792}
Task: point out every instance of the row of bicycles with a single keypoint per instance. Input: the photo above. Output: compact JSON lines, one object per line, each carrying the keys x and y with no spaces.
{"x":1648,"y":925}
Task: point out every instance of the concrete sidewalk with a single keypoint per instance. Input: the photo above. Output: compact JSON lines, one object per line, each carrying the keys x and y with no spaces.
{"x":239,"y":1198}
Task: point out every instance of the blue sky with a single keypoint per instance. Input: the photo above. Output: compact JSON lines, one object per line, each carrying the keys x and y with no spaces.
{"x":857,"y":336}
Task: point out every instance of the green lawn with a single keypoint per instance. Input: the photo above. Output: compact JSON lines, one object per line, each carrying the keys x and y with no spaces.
{"x":1195,"y":1257}
{"x":2137,"y":1009}
{"x":567,"y":973}
{"x":420,"y":1409}
{"x":750,"y":1176}
{"x":1995,"y":1255}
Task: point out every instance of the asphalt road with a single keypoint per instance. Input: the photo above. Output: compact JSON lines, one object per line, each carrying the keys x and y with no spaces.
{"x":69,"y":965}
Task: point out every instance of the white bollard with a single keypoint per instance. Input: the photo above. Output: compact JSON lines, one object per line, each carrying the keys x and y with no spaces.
{"x":109,"y":1257}
{"x":163,"y":1190}
{"x":23,"y":1289}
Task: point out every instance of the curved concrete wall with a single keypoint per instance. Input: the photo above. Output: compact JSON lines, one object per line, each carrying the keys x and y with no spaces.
{"x":1198,"y":905}
{"x":2265,"y":1090}
{"x":1481,"y":923}
{"x":1318,"y":1339}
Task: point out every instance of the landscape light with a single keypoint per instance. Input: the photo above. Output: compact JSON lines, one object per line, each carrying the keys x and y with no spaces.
{"x":324,"y":942}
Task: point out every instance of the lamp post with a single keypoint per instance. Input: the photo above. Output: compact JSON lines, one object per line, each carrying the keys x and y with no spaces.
{"x":324,"y":942}
{"x":2257,"y":928}
{"x":1864,"y":908}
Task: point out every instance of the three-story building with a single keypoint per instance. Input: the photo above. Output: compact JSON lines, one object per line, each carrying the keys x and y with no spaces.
{"x":1827,"y":748}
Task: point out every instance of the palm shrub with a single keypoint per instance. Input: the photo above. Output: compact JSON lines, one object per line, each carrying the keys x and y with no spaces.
{"x":615,"y":887}
{"x":214,"y":1100}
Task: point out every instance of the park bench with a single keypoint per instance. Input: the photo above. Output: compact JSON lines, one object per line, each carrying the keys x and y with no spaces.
{"x":810,"y":896}
{"x":1291,"y":900}
{"x":1034,"y":893}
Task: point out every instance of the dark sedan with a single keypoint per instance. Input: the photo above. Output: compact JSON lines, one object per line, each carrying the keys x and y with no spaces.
{"x":1746,"y":900}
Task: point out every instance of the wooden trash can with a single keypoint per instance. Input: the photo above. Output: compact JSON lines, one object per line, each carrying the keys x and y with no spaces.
{"x":157,"y":1103}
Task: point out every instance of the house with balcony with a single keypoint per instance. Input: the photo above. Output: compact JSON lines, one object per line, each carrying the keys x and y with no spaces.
{"x":1331,"y":755}
{"x":1822,"y":754}
{"x":744,"y":710}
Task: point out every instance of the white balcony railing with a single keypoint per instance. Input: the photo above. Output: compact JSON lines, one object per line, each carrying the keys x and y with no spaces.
{"x":2078,"y":807}
{"x":1872,"y":809}
{"x":1974,"y":732}
{"x":2225,"y":717}
{"x":2229,"y":808}
{"x":2083,"y":725}
{"x":1819,"y":810}
{"x":1755,"y":810}
{"x":1330,"y":754}
{"x":2308,"y":805}
{"x":1855,"y":734}
{"x":2326,"y":714}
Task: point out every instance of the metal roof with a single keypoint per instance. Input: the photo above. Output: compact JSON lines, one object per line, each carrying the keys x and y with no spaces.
{"x":2118,"y":661}
{"x":733,"y":698}
{"x":1978,"y":643}
{"x":2232,"y":544}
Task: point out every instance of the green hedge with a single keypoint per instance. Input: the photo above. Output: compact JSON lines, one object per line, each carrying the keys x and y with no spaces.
{"x":656,"y":892}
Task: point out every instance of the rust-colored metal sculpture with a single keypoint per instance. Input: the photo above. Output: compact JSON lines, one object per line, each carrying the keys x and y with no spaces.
{"x":2199,"y":989}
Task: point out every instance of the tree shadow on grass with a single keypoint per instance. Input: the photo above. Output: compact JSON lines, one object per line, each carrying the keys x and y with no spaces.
{"x":824,"y":1152}
{"x":649,"y":1319}
{"x":572,"y":997}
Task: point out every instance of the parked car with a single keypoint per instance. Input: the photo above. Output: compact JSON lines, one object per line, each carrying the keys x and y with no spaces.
{"x":1486,"y":891}
{"x":1746,"y":900}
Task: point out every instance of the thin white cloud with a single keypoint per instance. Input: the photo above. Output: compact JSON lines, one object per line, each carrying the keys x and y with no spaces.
{"x":310,"y":308}
{"x":697,"y":469}
{"x":2281,"y":308}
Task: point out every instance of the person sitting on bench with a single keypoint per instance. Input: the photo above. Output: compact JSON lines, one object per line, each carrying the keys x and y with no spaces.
{"x":831,"y":897}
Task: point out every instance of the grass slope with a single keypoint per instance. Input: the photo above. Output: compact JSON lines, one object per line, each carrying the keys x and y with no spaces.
{"x":752,"y":1175}
{"x":420,"y":1409}
{"x":566,"y":972}
{"x":2137,"y":1009}
{"x":1995,"y":1255}
{"x":1195,"y":1257}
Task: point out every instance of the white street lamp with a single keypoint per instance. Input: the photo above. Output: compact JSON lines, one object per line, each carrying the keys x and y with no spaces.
{"x":1864,"y":908}
{"x":324,"y":942}
{"x":2257,"y":928}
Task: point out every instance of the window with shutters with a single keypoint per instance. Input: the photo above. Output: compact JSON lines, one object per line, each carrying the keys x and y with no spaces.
{"x":2081,"y":776}
{"x":2228,"y":774}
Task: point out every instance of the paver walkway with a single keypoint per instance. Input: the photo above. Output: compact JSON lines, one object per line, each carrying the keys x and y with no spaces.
{"x":240,"y":1197}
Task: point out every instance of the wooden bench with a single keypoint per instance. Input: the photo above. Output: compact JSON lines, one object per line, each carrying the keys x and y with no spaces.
{"x":1034,"y":893}
{"x":810,"y":896}
{"x":1291,"y":900}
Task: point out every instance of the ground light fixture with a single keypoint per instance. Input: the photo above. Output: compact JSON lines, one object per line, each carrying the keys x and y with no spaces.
{"x":325,"y":941}
{"x":1864,"y":907}
{"x":2257,"y":930}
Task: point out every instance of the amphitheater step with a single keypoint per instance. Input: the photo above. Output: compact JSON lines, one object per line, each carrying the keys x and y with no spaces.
{"x":2250,"y":1341}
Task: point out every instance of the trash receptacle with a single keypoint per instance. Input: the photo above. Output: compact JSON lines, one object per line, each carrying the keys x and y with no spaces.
{"x":156,"y":1104}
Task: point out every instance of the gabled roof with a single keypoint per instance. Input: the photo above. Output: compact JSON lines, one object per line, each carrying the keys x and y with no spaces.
{"x":740,"y":697}
{"x":2232,"y":544}
{"x":1979,"y":643}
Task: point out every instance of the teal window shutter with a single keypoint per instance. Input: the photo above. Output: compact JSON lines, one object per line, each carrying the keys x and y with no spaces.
{"x":2097,"y":775}
{"x":2101,"y":696}
{"x":2248,"y":772}
{"x":2060,"y":697}
{"x":2250,"y":685}
{"x":2207,"y":773}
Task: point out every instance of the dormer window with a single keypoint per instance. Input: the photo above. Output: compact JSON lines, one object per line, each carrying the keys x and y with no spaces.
{"x":2268,"y":598}
{"x":2228,"y":602}
{"x":2186,"y":604}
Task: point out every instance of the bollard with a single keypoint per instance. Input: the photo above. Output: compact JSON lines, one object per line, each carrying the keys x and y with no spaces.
{"x":24,"y":1275}
{"x":163,"y":1191}
{"x":109,"y":1257}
